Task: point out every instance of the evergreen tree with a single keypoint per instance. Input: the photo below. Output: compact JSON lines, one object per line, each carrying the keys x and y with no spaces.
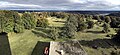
{"x":70,"y":27}
{"x":7,"y":21}
{"x":106,"y":28}
{"x":82,"y":25}
{"x":28,"y":21}
{"x":74,"y":20}
{"x":69,"y":30}
{"x":18,"y":23}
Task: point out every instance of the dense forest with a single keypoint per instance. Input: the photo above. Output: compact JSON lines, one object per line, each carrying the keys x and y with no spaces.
{"x":11,"y":21}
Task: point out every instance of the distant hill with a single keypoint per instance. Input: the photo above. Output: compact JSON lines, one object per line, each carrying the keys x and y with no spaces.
{"x":117,"y":14}
{"x":71,"y":11}
{"x":92,"y":12}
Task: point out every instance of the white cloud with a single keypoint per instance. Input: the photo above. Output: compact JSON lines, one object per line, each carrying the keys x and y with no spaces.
{"x":61,"y":4}
{"x":78,"y":1}
{"x":115,"y":2}
{"x":8,"y":4}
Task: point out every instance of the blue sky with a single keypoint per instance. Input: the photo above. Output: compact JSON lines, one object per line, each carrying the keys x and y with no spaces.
{"x":60,"y":4}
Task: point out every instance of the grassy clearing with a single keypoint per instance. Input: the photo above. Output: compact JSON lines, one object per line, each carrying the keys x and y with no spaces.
{"x":94,"y":37}
{"x":24,"y":43}
{"x":56,"y":22}
{"x":94,"y":33}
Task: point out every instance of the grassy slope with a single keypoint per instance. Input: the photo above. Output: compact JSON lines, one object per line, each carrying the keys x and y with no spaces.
{"x":94,"y":33}
{"x":93,"y":38}
{"x":24,"y":43}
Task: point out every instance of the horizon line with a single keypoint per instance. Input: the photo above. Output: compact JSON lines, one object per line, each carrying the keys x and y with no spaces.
{"x":54,"y":10}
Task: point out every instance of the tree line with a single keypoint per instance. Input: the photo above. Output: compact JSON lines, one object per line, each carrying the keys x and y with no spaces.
{"x":12,"y":21}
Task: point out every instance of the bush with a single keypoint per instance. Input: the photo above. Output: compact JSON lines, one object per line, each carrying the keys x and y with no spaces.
{"x":82,"y":26}
{"x":42,"y":23}
{"x":18,"y":29}
{"x":106,"y":28}
{"x":54,"y":34}
{"x":90,"y":24}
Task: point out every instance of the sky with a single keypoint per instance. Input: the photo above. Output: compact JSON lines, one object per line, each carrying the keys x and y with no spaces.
{"x":59,"y":4}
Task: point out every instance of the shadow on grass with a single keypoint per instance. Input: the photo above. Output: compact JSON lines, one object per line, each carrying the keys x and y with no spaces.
{"x":39,"y":33}
{"x":95,"y":32}
{"x":4,"y":44}
{"x":60,"y":21}
{"x":40,"y":47}
{"x":103,"y":43}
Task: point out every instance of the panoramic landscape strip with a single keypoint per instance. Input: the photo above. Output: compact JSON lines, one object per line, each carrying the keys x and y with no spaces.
{"x":59,"y":32}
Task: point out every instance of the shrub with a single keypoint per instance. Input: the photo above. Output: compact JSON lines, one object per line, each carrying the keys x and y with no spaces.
{"x":18,"y":28}
{"x":90,"y":24}
{"x":106,"y":28}
{"x":42,"y":23}
{"x":82,"y":26}
{"x":54,"y":33}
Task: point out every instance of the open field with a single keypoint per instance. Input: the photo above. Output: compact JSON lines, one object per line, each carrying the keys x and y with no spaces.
{"x":24,"y":43}
{"x":56,"y":22}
